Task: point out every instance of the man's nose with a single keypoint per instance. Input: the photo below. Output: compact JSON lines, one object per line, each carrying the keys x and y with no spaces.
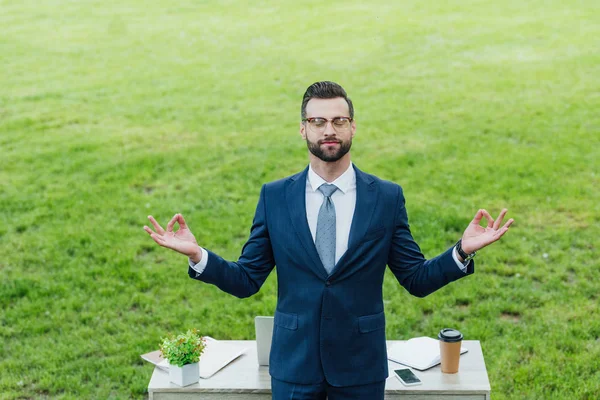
{"x":329,"y":131}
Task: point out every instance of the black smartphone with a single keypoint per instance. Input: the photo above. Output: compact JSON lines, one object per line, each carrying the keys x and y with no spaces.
{"x":407,"y":377}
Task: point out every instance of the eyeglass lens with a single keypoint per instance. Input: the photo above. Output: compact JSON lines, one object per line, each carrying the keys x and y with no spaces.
{"x":339,"y":123}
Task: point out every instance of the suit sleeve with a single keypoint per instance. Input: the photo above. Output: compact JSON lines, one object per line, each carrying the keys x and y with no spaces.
{"x":418,"y":275}
{"x":244,"y":277}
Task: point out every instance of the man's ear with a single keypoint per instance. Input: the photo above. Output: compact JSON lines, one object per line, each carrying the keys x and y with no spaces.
{"x":303,"y":130}
{"x":353,"y":127}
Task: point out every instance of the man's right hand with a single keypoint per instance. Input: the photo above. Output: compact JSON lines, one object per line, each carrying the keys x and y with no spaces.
{"x":182,"y":241}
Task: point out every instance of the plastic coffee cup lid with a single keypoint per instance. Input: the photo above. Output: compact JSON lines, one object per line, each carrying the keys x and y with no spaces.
{"x":450,"y":335}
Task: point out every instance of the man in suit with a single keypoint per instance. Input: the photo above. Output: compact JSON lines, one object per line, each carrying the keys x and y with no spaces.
{"x":331,"y":230}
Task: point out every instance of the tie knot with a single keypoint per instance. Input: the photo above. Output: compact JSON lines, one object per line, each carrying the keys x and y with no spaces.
{"x":327,"y":189}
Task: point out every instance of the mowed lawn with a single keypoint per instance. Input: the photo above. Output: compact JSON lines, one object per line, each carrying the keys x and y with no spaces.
{"x":112,"y":110}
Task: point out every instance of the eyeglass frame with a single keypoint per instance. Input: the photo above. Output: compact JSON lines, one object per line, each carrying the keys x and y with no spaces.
{"x":328,"y":121}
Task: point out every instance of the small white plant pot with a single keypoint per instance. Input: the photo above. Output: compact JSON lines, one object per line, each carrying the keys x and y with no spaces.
{"x":186,"y":375}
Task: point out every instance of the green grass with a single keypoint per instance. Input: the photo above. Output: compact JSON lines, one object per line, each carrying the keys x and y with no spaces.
{"x":110,"y":111}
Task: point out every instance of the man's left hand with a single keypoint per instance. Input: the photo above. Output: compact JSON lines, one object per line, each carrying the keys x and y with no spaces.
{"x":476,"y":237}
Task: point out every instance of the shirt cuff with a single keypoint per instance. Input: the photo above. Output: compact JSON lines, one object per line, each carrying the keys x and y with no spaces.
{"x":462,"y":266}
{"x":199,"y":268}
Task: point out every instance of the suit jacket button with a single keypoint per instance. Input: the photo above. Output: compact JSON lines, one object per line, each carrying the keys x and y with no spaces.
{"x":328,"y":283}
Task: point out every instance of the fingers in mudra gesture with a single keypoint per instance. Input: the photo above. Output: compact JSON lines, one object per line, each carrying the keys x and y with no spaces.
{"x":477,"y":237}
{"x":182,"y":241}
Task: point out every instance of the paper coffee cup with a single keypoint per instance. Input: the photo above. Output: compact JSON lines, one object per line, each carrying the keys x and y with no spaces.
{"x":450,"y":341}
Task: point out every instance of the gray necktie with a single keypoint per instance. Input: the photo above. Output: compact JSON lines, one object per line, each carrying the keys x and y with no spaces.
{"x":325,"y":238}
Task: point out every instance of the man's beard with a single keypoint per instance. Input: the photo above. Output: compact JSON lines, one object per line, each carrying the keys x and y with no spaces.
{"x":317,"y":151}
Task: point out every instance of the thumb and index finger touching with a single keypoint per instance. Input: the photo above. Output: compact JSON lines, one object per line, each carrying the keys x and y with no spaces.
{"x":491,"y":223}
{"x":159,"y":234}
{"x":159,"y":229}
{"x":479,"y":216}
{"x":179,"y":219}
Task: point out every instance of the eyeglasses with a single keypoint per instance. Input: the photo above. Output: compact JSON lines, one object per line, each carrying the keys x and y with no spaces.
{"x":318,"y":124}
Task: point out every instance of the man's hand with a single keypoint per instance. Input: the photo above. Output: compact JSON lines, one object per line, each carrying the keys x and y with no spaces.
{"x":182,"y":241}
{"x":476,"y":237}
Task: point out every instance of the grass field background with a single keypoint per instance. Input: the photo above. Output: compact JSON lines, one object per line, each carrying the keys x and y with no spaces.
{"x":111,"y":110}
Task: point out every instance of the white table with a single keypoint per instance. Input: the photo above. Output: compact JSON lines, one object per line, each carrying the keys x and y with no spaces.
{"x":244,"y":379}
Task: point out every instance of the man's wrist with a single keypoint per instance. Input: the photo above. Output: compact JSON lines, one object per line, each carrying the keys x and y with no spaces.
{"x":197,"y":256}
{"x":465,"y":249}
{"x":463,"y":256}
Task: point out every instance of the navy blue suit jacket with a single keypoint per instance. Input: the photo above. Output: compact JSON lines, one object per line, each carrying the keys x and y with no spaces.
{"x":330,"y":326}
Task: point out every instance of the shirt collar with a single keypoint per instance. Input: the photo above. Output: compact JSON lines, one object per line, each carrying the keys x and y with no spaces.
{"x":343,"y":182}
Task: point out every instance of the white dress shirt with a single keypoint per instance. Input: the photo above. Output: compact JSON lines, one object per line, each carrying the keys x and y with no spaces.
{"x":344,"y":201}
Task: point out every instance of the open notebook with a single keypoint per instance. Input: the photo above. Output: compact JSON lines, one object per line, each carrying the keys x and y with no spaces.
{"x":216,"y":356}
{"x":419,"y":353}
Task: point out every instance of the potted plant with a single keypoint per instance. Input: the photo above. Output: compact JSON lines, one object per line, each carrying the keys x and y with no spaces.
{"x":183,"y":354}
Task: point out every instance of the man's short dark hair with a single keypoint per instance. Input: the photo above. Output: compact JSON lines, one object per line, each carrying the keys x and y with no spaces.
{"x":325,"y":90}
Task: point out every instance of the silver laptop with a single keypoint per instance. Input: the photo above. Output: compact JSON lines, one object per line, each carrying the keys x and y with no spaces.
{"x":264,"y":334}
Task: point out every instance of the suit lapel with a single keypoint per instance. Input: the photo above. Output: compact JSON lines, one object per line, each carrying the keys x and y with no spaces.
{"x":366,"y":199}
{"x":295,"y":195}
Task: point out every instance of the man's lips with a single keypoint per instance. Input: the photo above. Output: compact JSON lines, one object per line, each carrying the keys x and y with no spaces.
{"x":330,"y":142}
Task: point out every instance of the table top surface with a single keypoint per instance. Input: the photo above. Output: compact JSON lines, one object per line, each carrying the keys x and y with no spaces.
{"x":244,"y":375}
